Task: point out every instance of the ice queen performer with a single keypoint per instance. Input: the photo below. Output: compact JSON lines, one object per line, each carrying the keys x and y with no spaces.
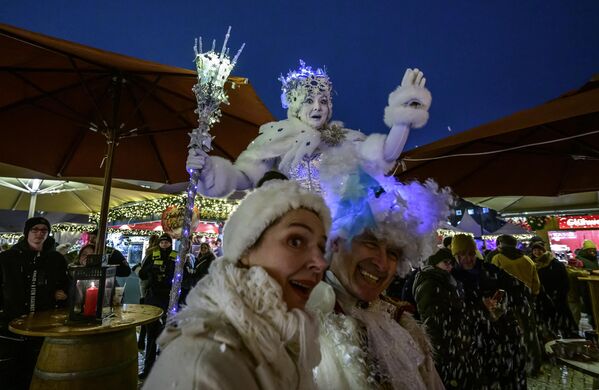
{"x":308,"y":146}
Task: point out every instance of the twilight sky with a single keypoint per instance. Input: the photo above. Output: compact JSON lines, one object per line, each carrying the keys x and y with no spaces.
{"x":482,"y":59}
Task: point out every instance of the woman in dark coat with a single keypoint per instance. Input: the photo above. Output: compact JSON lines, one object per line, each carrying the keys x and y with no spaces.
{"x":196,"y":271}
{"x":440,"y":302}
{"x":554,"y":281}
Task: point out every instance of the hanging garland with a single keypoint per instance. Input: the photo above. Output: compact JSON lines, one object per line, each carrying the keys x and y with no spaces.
{"x":537,"y":223}
{"x":520,"y":221}
{"x":212,"y":209}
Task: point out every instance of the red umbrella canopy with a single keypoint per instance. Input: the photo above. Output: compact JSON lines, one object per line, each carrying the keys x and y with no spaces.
{"x":59,"y":100}
{"x":549,"y":150}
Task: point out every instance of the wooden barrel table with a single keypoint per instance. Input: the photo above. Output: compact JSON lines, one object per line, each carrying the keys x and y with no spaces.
{"x":86,"y":356}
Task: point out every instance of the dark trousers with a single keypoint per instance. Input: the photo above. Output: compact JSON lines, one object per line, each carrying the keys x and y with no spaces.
{"x":154,"y":329}
{"x":18,"y":356}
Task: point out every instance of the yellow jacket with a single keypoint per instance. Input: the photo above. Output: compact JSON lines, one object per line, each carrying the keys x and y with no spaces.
{"x":522,"y":268}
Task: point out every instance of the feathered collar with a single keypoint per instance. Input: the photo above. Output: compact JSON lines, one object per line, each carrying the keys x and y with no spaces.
{"x":379,"y":350}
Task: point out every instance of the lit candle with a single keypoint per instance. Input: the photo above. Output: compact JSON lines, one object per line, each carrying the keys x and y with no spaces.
{"x":91,"y":299}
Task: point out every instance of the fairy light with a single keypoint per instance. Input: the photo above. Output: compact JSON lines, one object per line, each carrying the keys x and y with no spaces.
{"x":212,"y":209}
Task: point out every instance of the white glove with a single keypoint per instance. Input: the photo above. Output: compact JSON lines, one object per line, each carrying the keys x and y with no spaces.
{"x":409,"y":103}
{"x":200,"y":160}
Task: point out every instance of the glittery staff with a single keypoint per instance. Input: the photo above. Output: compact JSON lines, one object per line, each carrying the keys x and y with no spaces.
{"x":213,"y":71}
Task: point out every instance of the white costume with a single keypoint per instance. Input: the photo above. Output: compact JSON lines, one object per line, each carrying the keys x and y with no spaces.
{"x":300,"y":148}
{"x":366,"y":348}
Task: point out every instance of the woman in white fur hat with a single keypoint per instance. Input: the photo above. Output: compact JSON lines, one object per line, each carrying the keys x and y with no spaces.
{"x":244,"y":324}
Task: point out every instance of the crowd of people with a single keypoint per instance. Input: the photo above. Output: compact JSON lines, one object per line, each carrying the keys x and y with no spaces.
{"x":299,"y":296}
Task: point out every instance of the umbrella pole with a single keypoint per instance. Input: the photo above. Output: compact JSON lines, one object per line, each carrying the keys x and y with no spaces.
{"x":32,"y":201}
{"x":111,"y":141}
{"x":101,"y":240}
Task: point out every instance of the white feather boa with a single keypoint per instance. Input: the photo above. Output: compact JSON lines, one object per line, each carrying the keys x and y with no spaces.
{"x":283,"y":343}
{"x":351,"y":342}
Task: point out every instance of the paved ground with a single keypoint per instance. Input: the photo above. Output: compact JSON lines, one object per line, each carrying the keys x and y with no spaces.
{"x":562,"y":377}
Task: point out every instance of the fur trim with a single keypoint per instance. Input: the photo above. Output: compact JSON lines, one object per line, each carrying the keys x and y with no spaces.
{"x":399,"y":112}
{"x":261,"y":207}
{"x":223,"y":182}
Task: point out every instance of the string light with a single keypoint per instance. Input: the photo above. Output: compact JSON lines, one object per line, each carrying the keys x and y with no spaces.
{"x":211,"y":210}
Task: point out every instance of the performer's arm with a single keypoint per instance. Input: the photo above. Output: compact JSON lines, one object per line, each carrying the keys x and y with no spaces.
{"x":408,"y":108}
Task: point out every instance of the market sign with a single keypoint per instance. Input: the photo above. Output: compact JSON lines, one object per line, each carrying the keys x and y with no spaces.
{"x":579,"y":222}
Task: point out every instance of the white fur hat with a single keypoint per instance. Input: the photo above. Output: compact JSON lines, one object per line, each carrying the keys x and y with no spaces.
{"x":261,"y":207}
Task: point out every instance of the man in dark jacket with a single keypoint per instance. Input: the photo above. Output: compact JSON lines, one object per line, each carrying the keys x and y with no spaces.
{"x":158,"y":269}
{"x":33,"y":277}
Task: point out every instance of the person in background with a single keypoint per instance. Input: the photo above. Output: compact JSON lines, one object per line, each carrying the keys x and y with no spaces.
{"x":196,"y":271}
{"x":115,"y":257}
{"x":495,"y":296}
{"x":33,"y":278}
{"x":218,"y":250}
{"x":84,"y":252}
{"x":588,"y":256}
{"x":158,"y":269}
{"x":513,"y":261}
{"x":440,"y":302}
{"x":143,"y":289}
{"x":554,"y":281}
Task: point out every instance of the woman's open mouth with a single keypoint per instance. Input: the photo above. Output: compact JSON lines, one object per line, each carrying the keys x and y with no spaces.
{"x":303,"y":288}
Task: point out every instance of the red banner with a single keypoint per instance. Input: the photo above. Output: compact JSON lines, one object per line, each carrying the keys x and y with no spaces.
{"x":579,"y":222}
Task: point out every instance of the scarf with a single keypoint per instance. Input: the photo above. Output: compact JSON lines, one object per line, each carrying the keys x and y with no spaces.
{"x":396,"y":355}
{"x":283,"y":343}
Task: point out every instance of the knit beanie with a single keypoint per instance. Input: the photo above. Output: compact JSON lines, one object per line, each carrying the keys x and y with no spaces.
{"x":165,"y":237}
{"x":439,"y":256}
{"x":263,"y":206}
{"x":588,"y":244}
{"x":462,"y":243}
{"x":31,"y":222}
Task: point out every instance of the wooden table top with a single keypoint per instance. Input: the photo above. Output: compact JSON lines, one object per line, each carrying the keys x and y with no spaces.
{"x":593,"y":277}
{"x":54,"y":322}
{"x":589,"y":368}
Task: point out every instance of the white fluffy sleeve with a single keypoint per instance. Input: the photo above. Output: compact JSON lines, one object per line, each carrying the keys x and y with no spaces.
{"x":400,"y":112}
{"x":227,"y":178}
{"x":371,"y":152}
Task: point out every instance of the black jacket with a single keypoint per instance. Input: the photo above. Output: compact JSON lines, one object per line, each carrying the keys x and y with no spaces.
{"x":17,"y":268}
{"x":115,"y":257}
{"x":500,"y":343}
{"x":441,"y":305}
{"x":192,"y":275}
